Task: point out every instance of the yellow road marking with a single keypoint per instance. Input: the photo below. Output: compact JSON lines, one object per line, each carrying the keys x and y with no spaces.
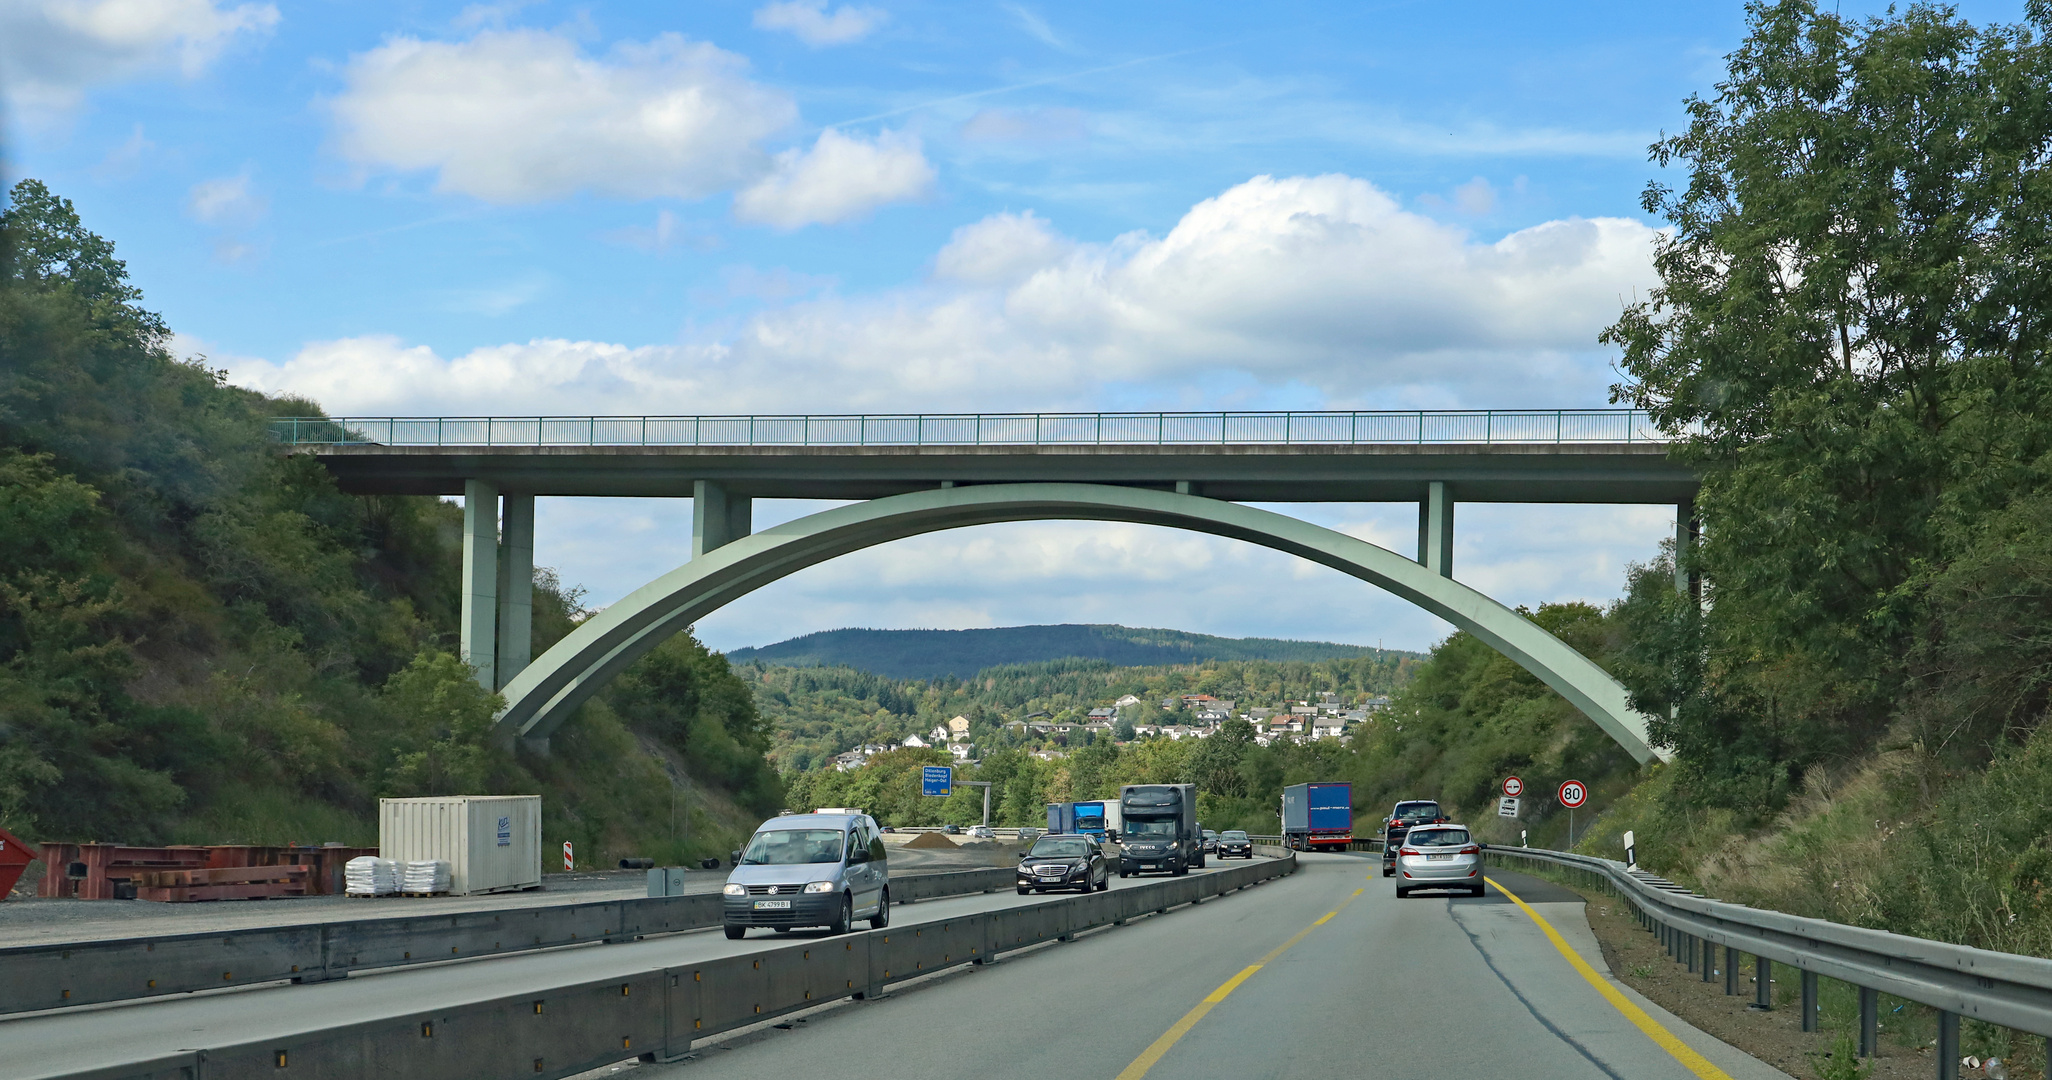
{"x":1180,"y":1028}
{"x":1694,"y":1062}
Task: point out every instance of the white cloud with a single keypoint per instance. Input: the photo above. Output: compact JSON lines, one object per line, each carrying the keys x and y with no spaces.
{"x":517,"y":116}
{"x":1001,"y":249}
{"x":840,"y":178}
{"x":52,"y":51}
{"x":226,"y":201}
{"x":1320,"y":283}
{"x":809,"y":21}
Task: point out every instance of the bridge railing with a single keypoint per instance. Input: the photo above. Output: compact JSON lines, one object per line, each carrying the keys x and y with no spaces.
{"x":983,"y":429}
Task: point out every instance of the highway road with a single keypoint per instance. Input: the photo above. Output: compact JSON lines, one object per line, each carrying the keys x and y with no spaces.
{"x":1322,"y":974}
{"x":57,"y":1043}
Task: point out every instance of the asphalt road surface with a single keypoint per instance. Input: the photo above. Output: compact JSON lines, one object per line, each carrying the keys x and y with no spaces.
{"x":1322,"y":974}
{"x":57,"y":1043}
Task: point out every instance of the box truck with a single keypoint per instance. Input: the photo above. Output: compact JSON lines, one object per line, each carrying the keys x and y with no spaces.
{"x":1093,"y":818}
{"x":1159,"y":830}
{"x":1318,"y":816}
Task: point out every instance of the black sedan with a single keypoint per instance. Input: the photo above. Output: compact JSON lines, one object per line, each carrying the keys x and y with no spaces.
{"x":1401,"y":819}
{"x":1063,"y":861}
{"x":1233,"y":843}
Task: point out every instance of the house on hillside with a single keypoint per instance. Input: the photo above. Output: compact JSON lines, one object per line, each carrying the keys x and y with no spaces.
{"x":1104,"y":712}
{"x":1376,"y":704}
{"x":1126,"y":702}
{"x":1328,"y":727}
{"x":958,"y":728}
{"x":850,"y":761}
{"x":1050,"y":755}
{"x":960,"y":750}
{"x":1214,"y":716}
{"x":938,"y":735}
{"x":914,"y":742}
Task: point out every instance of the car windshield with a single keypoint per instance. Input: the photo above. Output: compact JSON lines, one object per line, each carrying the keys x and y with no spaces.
{"x":1209,"y":835}
{"x":1232,"y":834}
{"x":1150,"y":830}
{"x":788,"y":847}
{"x":1411,"y":813}
{"x":1437,"y":837}
{"x":1059,"y":849}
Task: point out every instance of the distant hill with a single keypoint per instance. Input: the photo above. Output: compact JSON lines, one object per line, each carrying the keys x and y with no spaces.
{"x":930,"y":654}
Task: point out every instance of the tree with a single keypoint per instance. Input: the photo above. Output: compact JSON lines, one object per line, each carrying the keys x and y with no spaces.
{"x":1850,"y":338}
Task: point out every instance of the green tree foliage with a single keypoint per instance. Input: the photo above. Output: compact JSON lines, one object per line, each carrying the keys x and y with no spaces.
{"x":1851,"y":328}
{"x":202,"y":640}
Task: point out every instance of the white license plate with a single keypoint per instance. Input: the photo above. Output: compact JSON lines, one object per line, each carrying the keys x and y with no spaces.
{"x":772,"y":905}
{"x":1438,"y":858}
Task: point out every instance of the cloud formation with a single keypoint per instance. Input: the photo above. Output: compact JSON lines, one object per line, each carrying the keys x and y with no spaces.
{"x":809,"y":21}
{"x":1322,"y":282}
{"x":840,"y":178}
{"x":53,"y":51}
{"x":522,"y":116}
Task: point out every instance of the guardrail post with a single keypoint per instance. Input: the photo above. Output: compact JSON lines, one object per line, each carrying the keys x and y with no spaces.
{"x":1948,"y":1045}
{"x":1709,"y":958}
{"x":1763,"y":990}
{"x":1689,"y":950}
{"x":1870,"y":1021}
{"x":1731,"y":971}
{"x":1809,"y":1001}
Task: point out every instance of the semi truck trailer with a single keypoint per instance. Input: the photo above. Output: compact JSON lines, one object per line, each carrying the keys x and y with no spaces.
{"x":1318,"y":816}
{"x":1090,"y":818}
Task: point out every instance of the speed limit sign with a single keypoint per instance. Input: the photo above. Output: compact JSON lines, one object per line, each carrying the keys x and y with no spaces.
{"x":1513,"y":787}
{"x":1573,"y":794}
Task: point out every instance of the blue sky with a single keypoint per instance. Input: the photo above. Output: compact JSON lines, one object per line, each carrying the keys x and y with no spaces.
{"x":422,"y":208}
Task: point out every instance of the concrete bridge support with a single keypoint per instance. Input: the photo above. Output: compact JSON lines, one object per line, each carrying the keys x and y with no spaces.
{"x":718,"y":517}
{"x":1435,"y":529}
{"x":496,"y":632}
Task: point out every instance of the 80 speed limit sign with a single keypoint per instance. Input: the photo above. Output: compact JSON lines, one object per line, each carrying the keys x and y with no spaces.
{"x":1573,"y":794}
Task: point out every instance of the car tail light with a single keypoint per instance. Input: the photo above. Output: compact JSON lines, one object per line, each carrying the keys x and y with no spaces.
{"x":1472,"y":849}
{"x":1408,"y":851}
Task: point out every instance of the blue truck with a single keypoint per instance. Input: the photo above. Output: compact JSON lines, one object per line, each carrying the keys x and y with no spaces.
{"x":1091,"y":818}
{"x":1318,"y":816}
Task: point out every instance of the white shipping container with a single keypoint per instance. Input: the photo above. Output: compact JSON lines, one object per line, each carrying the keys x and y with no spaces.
{"x":492,"y":843}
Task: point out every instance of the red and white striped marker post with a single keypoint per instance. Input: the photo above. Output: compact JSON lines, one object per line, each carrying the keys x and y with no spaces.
{"x":569,"y":860}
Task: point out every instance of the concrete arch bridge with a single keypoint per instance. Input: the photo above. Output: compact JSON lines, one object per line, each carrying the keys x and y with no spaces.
{"x":918,"y":483}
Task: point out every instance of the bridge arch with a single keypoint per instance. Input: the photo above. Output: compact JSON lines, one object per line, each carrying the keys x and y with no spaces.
{"x":550,"y":689}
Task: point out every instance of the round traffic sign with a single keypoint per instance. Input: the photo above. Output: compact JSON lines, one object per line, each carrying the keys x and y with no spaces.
{"x":1513,"y":787}
{"x":1573,"y":794}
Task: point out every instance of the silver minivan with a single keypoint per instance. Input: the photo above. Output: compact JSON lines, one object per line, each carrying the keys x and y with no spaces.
{"x":810,"y":870}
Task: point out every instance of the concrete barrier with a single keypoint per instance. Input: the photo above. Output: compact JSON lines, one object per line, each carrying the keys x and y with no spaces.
{"x":34,"y":977}
{"x":656,"y":1015}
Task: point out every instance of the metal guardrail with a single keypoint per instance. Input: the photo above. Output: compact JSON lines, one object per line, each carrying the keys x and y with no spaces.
{"x":656,"y":1014}
{"x":983,"y":429}
{"x":55,"y":976}
{"x":2005,"y":989}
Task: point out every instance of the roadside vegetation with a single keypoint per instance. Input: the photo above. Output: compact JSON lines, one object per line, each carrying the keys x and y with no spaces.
{"x":203,"y":641}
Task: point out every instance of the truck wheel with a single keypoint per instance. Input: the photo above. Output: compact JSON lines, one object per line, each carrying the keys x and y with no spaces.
{"x":1180,"y":870}
{"x":734,"y":932}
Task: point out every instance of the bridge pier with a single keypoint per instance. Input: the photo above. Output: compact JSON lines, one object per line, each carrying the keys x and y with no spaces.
{"x":1435,"y":529}
{"x":497,"y":625}
{"x":1688,"y":531}
{"x":516,"y":586}
{"x":718,"y":516}
{"x":478,"y":632}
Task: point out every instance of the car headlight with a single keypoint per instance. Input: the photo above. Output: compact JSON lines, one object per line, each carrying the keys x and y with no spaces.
{"x":820,"y":886}
{"x":734,"y":888}
{"x":1081,"y":868}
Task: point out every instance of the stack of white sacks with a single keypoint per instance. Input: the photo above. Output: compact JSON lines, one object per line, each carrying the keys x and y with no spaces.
{"x":424,"y":876}
{"x":368,"y":876}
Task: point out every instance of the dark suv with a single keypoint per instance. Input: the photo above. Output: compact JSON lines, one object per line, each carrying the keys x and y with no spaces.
{"x":1399,"y":822}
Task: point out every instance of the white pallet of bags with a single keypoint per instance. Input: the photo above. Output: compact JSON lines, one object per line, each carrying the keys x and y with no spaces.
{"x":367,"y":875}
{"x":424,"y":876}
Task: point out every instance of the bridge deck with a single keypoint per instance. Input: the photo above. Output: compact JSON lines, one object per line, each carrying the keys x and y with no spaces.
{"x":1536,"y":472}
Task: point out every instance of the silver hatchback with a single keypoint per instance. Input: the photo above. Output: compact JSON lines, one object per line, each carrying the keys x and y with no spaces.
{"x":1439,"y":857}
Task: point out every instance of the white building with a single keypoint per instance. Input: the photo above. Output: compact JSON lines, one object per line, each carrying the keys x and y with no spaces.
{"x":914,"y":742}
